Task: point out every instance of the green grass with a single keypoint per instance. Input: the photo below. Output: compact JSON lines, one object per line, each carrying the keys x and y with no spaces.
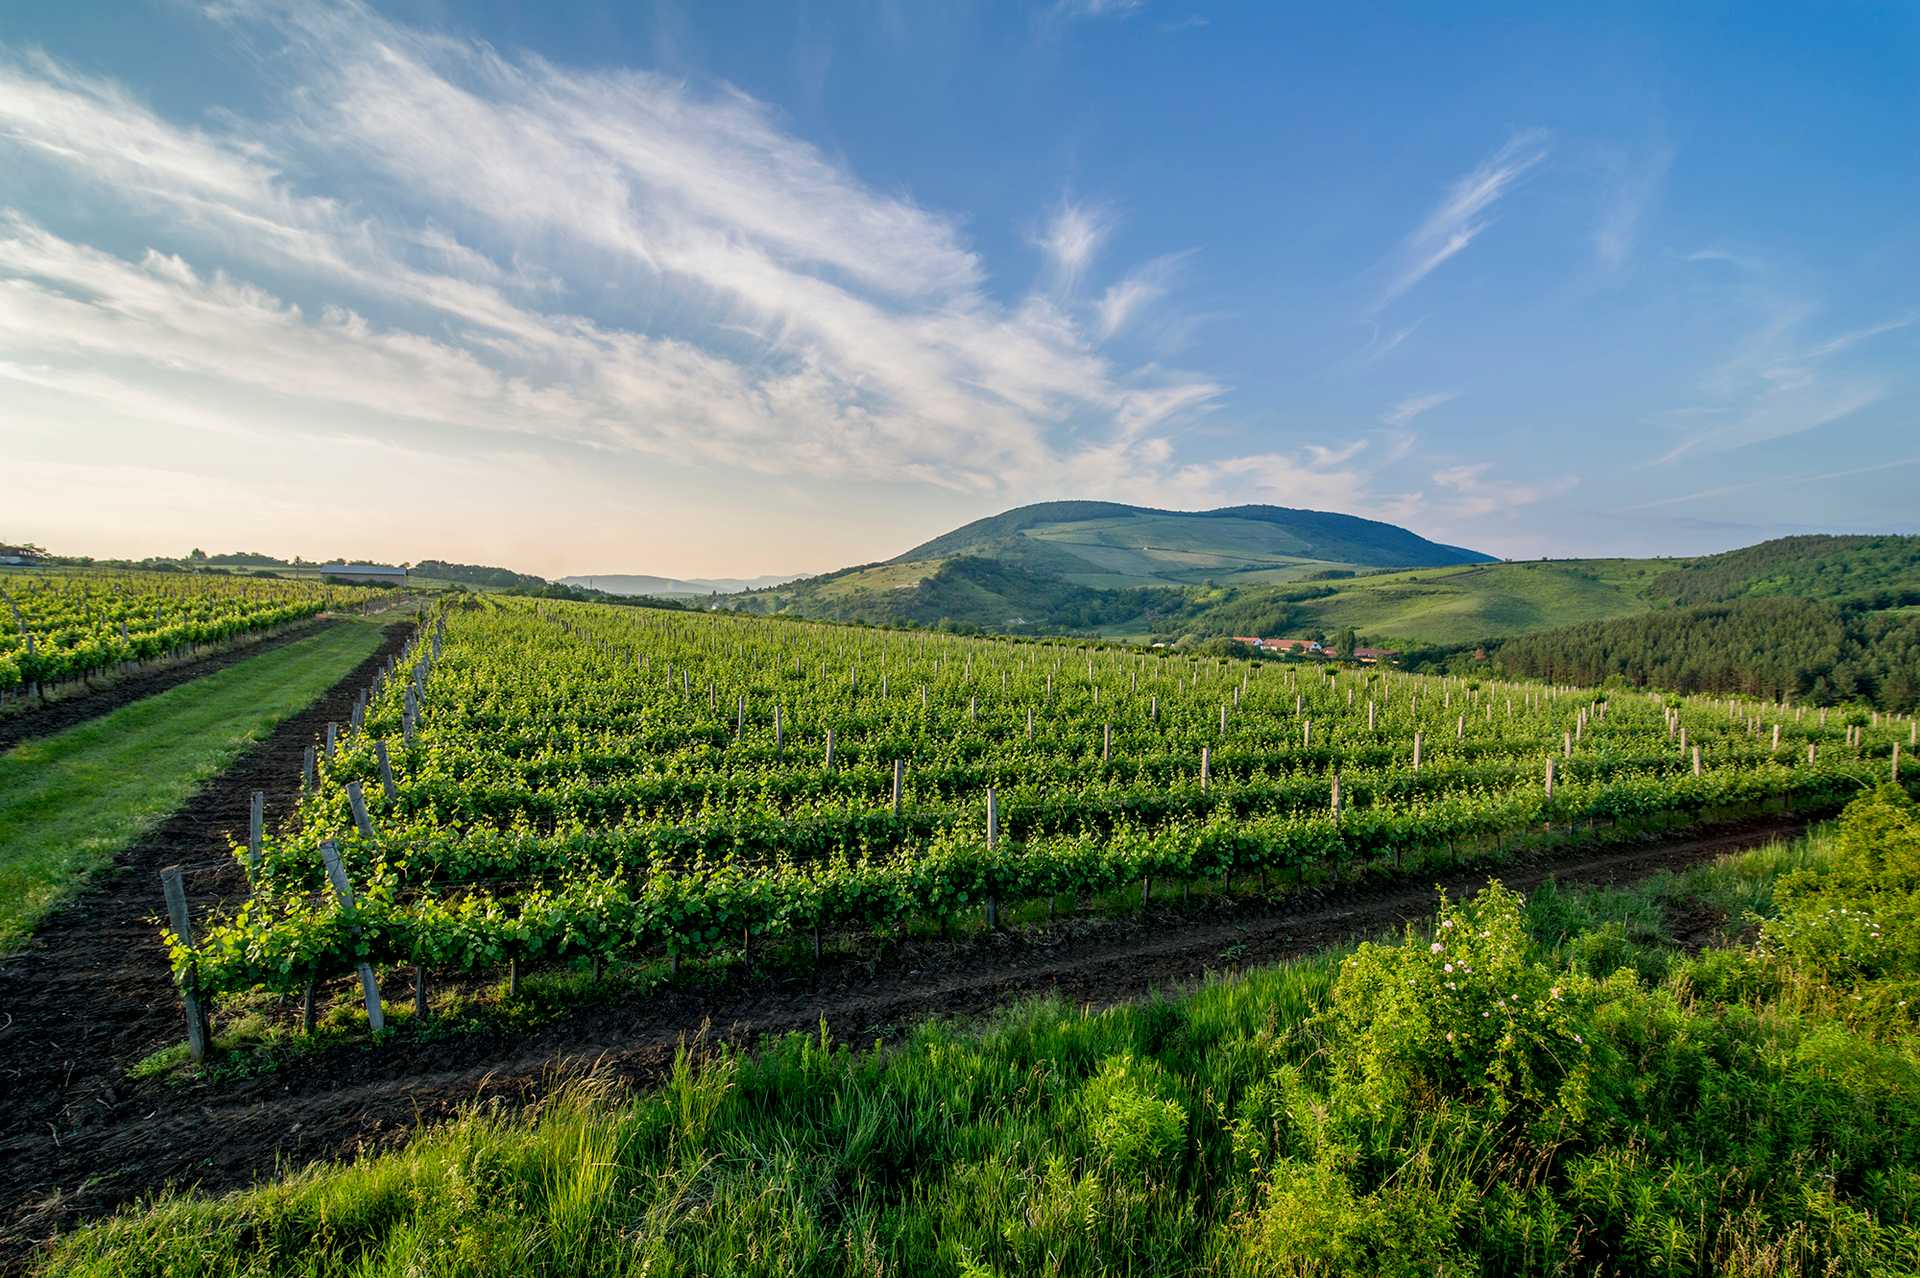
{"x":69,"y":803}
{"x":1633,"y":1108}
{"x":1486,"y":601}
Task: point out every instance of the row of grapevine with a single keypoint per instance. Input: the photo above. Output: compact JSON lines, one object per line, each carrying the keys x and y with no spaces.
{"x":69,"y":625}
{"x":548,"y":781}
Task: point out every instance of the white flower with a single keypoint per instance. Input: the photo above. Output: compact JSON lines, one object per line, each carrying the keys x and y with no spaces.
{"x":1435,"y":948}
{"x":1446,"y":922}
{"x":1449,"y":1036}
{"x":1484,"y":1015}
{"x":1447,"y":968}
{"x":1578,"y":1039}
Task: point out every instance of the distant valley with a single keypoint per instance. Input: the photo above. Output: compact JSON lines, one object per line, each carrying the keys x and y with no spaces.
{"x":640,"y":584}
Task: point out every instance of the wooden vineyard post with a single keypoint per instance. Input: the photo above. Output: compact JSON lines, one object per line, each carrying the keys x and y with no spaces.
{"x":1810,"y":752}
{"x":357,"y":800}
{"x":779,"y":733}
{"x":1460,"y":729}
{"x":343,"y":892}
{"x":1306,"y":734}
{"x":899,"y":775}
{"x":993,"y":843}
{"x":1029,"y":723}
{"x":386,"y":770}
{"x":307,"y":766}
{"x":333,"y":741}
{"x":829,"y":747}
{"x":1549,"y":776}
{"x":1336,"y":796}
{"x":1696,"y":761}
{"x":1206,"y":759}
{"x":1416,"y":752}
{"x":256,"y":829}
{"x":1369,"y":714}
{"x":1566,"y":745}
{"x":182,"y":924}
{"x":1896,"y":761}
{"x":1776,"y":739}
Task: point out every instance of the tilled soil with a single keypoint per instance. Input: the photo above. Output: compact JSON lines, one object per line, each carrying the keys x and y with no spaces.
{"x":90,"y":993}
{"x":26,"y":723}
{"x":84,"y":1140}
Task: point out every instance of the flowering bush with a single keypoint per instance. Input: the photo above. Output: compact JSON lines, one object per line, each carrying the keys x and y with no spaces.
{"x":1468,"y":1013}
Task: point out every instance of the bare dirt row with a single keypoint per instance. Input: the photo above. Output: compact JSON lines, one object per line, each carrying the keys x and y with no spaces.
{"x":90,"y":993}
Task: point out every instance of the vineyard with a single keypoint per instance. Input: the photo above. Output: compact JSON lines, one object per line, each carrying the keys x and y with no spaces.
{"x":542,"y":782}
{"x":73,"y":625}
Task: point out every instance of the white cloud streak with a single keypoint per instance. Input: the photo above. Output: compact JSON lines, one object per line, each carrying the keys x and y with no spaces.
{"x":1403,"y":413}
{"x":806,"y":324}
{"x":1463,"y":215}
{"x":1072,"y":238}
{"x":1634,"y":184}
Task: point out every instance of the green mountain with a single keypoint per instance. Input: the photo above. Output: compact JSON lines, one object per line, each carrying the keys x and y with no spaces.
{"x":1133,"y":573}
{"x":1101,"y":567}
{"x":1109,"y":545}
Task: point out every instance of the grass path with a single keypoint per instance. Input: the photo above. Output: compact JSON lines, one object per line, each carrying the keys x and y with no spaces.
{"x":69,"y":803}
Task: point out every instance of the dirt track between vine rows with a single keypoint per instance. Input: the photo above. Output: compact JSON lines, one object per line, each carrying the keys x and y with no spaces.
{"x":89,"y":994}
{"x":82,"y":1139}
{"x":29,"y":723}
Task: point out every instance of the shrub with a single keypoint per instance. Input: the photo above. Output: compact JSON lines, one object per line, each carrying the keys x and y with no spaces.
{"x":1133,"y":1117}
{"x":1468,"y":1014}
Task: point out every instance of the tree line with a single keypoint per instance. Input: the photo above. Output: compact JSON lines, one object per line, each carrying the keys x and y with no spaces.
{"x":1779,"y":648}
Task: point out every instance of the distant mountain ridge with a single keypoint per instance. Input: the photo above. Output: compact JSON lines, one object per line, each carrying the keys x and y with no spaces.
{"x":641,"y":584}
{"x":1085,"y":566}
{"x":1110,"y":544}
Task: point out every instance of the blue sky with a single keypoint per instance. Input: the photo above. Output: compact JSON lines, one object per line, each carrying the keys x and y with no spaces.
{"x":722,"y":288}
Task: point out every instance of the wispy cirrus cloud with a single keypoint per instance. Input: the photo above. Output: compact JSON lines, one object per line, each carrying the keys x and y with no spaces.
{"x":1775,"y":481}
{"x":1777,"y":381}
{"x":486,"y":221}
{"x":1469,"y":492}
{"x":1074,"y":10}
{"x":1072,"y":238}
{"x":1463,"y":215}
{"x":1633,"y":183}
{"x":1403,"y":412}
{"x":1124,"y":300}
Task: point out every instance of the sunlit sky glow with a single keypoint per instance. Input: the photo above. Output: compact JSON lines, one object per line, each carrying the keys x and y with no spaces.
{"x":727,"y":289}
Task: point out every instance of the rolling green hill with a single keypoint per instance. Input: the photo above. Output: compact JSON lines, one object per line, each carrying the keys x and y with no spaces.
{"x":1108,"y":545}
{"x":1135,"y":573}
{"x":1877,"y":572}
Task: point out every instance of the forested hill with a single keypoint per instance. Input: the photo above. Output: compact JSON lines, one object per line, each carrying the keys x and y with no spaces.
{"x":1777,"y":648}
{"x":1871,"y":572}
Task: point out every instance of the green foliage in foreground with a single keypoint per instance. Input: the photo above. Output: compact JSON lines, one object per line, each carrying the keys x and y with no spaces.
{"x":1537,"y":1086}
{"x":69,"y":803}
